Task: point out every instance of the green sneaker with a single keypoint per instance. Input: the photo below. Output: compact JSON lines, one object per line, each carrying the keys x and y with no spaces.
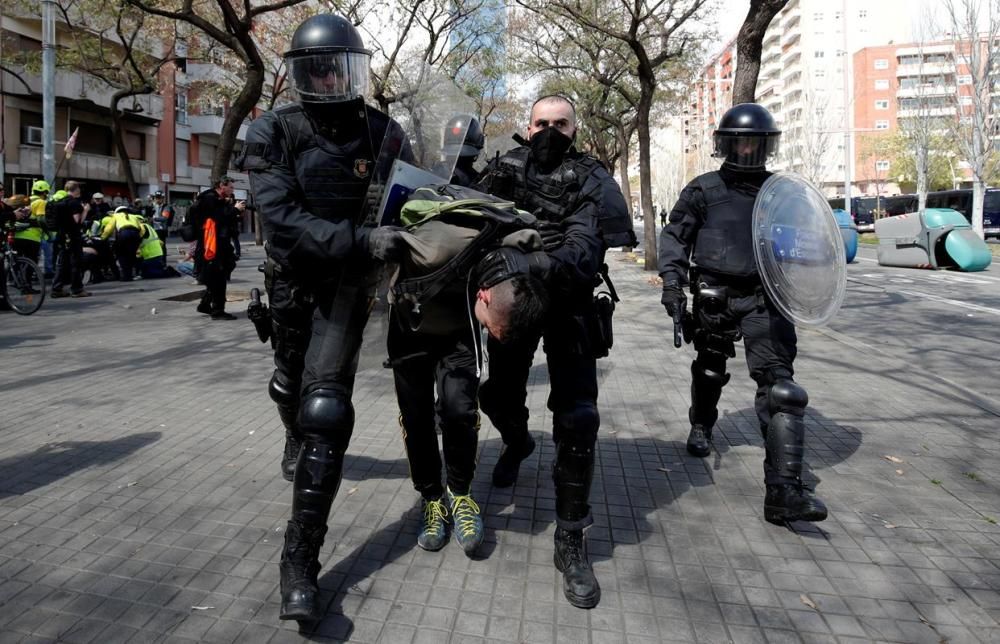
{"x":433,"y":526}
{"x":468,"y":523}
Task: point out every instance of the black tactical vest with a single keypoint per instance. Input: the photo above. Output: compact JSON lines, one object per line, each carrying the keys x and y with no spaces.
{"x":334,"y":177}
{"x":557,"y":195}
{"x":725,"y":241}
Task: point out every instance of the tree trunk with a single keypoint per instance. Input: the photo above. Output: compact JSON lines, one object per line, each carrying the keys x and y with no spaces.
{"x":977,"y":206}
{"x":238,"y":111}
{"x":623,"y":161}
{"x":645,"y":183}
{"x":118,"y":138}
{"x":921,"y":161}
{"x":258,"y":231}
{"x":749,"y":43}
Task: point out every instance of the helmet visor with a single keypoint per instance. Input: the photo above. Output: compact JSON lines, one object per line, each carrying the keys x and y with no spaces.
{"x":750,"y":151}
{"x":329,"y":77}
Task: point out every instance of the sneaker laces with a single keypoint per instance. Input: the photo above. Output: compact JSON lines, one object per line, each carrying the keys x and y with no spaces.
{"x":466,"y":514}
{"x":435,"y":515}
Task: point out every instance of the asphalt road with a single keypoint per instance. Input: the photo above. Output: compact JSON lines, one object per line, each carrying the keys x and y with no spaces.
{"x":941,"y":325}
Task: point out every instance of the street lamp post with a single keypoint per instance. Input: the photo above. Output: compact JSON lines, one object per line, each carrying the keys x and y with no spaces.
{"x":48,"y":90}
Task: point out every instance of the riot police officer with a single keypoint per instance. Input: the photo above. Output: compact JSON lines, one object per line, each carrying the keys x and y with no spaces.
{"x":709,"y":245}
{"x":584,"y":213}
{"x":310,"y":166}
{"x":463,"y":141}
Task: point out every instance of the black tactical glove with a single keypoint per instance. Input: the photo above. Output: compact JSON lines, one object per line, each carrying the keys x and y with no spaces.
{"x":507,"y":262}
{"x":552,"y":234}
{"x":386,"y":243}
{"x":673,"y":299}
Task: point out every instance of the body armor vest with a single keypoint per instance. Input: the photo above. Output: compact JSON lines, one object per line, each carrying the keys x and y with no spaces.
{"x":725,"y":241}
{"x":557,"y":195}
{"x":334,"y":176}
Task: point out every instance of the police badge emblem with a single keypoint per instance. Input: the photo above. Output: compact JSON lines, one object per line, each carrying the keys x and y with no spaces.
{"x":361,"y":168}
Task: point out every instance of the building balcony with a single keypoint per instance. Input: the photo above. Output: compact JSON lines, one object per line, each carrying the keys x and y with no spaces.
{"x":927,"y":69}
{"x":211,"y":124}
{"x":933,"y":111}
{"x":87,"y":93}
{"x":926,"y":91}
{"x":81,"y":165}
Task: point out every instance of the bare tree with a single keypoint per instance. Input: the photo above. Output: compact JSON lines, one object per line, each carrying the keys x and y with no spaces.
{"x":805,"y":141}
{"x":231,"y":24}
{"x":749,"y":43}
{"x":975,"y":29}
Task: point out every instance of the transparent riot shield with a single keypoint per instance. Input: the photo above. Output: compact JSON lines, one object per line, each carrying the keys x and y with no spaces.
{"x":429,"y":107}
{"x":799,"y":250}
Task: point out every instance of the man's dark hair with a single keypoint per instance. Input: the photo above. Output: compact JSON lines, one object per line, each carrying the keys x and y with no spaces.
{"x":553,"y":98}
{"x":529,"y":302}
{"x":223,"y":181}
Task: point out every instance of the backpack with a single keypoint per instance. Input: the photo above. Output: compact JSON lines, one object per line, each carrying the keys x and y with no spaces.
{"x":55,"y":214}
{"x":188,"y":228}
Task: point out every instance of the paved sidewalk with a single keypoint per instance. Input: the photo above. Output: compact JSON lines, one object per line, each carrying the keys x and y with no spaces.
{"x":140,"y":498}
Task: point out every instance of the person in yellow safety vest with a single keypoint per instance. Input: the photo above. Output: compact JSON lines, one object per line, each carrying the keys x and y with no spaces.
{"x":154,"y":260}
{"x":125,"y":227}
{"x":28,"y":242}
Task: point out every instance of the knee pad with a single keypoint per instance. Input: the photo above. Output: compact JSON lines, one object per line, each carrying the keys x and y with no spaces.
{"x":327,"y":416}
{"x":281,"y":392}
{"x":577,"y":426}
{"x":786,"y":396}
{"x":711,"y":374}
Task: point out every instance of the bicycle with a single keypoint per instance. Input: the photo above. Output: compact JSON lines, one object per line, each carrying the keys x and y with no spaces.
{"x":22,"y":284}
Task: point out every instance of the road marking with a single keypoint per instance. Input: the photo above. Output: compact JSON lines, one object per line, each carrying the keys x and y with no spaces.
{"x":866,"y":259}
{"x":950,"y":302}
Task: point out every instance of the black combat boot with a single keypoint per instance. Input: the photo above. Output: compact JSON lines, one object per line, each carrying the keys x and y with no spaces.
{"x":509,"y":464}
{"x":792,"y":502}
{"x":579,"y":583}
{"x":299,"y":570}
{"x":699,"y":441}
{"x":292,"y":446}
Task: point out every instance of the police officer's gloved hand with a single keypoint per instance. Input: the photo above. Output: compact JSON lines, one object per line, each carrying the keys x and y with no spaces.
{"x":552,"y":234}
{"x":386,"y":243}
{"x":673,"y":298}
{"x":507,"y":262}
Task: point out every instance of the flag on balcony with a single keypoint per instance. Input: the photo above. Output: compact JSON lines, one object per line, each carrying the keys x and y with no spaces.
{"x":71,"y":143}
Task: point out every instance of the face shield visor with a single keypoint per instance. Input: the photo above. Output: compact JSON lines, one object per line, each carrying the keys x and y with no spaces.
{"x":745,"y":151}
{"x":329,"y":77}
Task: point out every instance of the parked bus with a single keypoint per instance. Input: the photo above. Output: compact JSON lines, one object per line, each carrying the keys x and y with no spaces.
{"x":961,"y":200}
{"x":865,"y":210}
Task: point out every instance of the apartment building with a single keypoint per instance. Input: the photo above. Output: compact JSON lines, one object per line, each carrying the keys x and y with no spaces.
{"x":170,"y":136}
{"x":802,"y":81}
{"x":905,"y":86}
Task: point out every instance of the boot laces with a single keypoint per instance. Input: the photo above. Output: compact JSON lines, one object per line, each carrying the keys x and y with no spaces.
{"x":573,"y":549}
{"x":435,"y":515}
{"x":466,"y":514}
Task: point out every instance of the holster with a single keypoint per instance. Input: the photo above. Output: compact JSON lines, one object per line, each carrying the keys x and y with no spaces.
{"x":601,"y":331}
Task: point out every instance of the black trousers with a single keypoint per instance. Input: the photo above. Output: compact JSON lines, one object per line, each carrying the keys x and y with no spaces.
{"x":326,"y":414}
{"x":292,"y":306}
{"x":421,"y":363}
{"x":28,"y":248}
{"x":572,"y":400}
{"x":214,"y":275}
{"x":770,"y":343}
{"x":69,"y":261}
{"x":127,"y":242}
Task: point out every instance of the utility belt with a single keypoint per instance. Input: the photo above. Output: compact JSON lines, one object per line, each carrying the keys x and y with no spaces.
{"x":712,"y":322}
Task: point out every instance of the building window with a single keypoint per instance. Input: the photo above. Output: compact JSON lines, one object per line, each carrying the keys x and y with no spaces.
{"x":862,"y":13}
{"x":882,"y":124}
{"x":964,"y":79}
{"x":181,"y":106}
{"x":818,"y":16}
{"x":818,"y":54}
{"x":882,"y":83}
{"x":881,"y":63}
{"x":882,"y":165}
{"x":819,"y":73}
{"x":882,"y":104}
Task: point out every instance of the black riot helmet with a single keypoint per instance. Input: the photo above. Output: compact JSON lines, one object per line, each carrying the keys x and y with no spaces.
{"x":746,"y":137}
{"x":463,"y":136}
{"x":327,"y":61}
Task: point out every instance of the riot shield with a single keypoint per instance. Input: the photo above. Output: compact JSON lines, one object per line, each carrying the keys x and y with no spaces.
{"x":799,"y":250}
{"x":425,"y":107}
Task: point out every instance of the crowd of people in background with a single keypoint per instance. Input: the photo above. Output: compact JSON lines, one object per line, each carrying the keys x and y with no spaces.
{"x":79,"y":240}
